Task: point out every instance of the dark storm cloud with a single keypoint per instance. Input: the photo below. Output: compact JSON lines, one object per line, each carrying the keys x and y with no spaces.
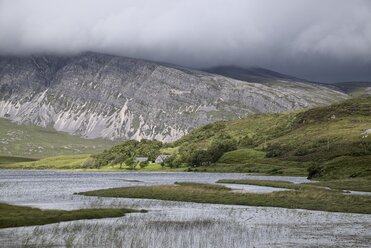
{"x":317,"y":39}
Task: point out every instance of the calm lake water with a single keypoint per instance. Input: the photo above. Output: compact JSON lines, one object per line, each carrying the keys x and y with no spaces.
{"x":169,"y":224}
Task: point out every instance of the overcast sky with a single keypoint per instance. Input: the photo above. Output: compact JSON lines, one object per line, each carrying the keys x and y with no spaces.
{"x":322,"y":40}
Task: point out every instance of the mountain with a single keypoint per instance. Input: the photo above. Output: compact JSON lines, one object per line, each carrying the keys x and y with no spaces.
{"x":96,"y":95}
{"x":252,"y":74}
{"x":355,"y":88}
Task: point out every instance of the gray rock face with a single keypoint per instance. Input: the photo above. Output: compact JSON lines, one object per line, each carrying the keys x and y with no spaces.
{"x":95,"y":95}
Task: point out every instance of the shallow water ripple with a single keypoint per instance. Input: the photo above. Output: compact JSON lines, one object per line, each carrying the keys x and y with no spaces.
{"x":169,"y":224}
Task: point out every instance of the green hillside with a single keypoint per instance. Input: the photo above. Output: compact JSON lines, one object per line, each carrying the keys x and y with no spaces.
{"x":37,"y":142}
{"x":328,"y":139}
{"x":10,"y":159}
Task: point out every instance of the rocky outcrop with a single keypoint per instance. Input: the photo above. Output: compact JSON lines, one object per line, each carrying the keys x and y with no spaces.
{"x":95,"y":95}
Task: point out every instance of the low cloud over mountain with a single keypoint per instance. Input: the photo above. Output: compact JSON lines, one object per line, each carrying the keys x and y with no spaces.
{"x":325,"y":40}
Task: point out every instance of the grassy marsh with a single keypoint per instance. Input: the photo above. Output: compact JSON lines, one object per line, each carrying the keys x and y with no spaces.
{"x":15,"y":216}
{"x":359,"y":184}
{"x":307,"y":197}
{"x":267,"y":183}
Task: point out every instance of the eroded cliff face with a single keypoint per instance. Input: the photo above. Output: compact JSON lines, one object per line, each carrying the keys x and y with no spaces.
{"x":95,"y":95}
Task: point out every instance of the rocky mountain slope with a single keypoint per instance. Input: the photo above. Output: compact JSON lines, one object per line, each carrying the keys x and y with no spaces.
{"x":250,"y":74}
{"x":355,"y":89}
{"x":96,"y":95}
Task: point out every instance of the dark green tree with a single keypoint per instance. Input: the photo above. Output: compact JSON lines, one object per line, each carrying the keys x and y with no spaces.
{"x":219,"y":147}
{"x":130,"y":163}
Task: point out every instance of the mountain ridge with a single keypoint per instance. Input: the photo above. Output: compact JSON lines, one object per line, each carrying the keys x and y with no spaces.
{"x":355,"y":88}
{"x":251,"y":73}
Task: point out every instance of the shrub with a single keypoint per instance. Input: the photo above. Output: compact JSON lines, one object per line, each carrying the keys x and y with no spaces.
{"x":199,"y":157}
{"x":246,"y":141}
{"x":172,"y":161}
{"x":301,"y":151}
{"x":274,"y":150}
{"x":143,"y":164}
{"x":202,"y":133}
{"x":314,"y":171}
{"x":89,"y":163}
{"x":219,"y":147}
{"x":131,"y":163}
